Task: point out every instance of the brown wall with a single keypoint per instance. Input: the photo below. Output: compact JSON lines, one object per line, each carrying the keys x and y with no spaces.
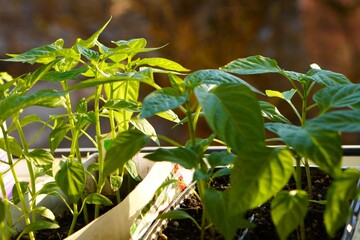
{"x":200,"y":33}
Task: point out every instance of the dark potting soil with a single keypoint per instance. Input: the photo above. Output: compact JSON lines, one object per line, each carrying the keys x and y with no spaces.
{"x":264,"y":230}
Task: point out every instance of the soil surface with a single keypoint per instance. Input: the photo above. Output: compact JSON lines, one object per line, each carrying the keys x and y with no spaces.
{"x":186,"y":229}
{"x":315,"y":229}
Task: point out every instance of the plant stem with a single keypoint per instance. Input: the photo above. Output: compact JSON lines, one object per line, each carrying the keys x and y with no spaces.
{"x":75,"y":216}
{"x":201,"y":185}
{"x":98,"y":140}
{"x":308,"y":178}
{"x":298,"y":172}
{"x":25,"y":147}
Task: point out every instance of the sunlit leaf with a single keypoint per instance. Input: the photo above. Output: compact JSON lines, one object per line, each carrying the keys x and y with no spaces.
{"x":15,"y":148}
{"x":252,"y":65}
{"x":132,"y":169}
{"x":183,"y":156}
{"x":13,"y":104}
{"x":160,"y":101}
{"x":97,"y":198}
{"x":320,"y":146}
{"x":38,"y":225}
{"x":91,"y":41}
{"x":41,"y":159}
{"x":145,"y":126}
{"x":214,"y":77}
{"x":338,"y":96}
{"x":265,"y":169}
{"x":343,"y":121}
{"x":44,"y":212}
{"x":342,"y":190}
{"x":123,"y":148}
{"x":220,"y":158}
{"x":43,"y":54}
{"x":115,"y":182}
{"x":288,"y":210}
{"x":15,"y":193}
{"x":162,"y":63}
{"x":224,"y":217}
{"x":271,"y":112}
{"x":326,"y":77}
{"x":71,"y":178}
{"x":55,"y":76}
{"x":233,"y":112}
{"x":89,"y":54}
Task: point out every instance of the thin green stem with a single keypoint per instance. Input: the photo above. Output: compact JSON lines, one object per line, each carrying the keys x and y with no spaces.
{"x":73,"y":222}
{"x":169,"y":140}
{"x":98,"y":140}
{"x":29,"y":167}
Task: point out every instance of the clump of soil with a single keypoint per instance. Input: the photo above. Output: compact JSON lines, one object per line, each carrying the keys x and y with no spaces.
{"x":314,"y":226}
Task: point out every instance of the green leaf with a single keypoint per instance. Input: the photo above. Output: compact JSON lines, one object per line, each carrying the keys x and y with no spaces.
{"x":265,"y":169}
{"x":89,"y":54}
{"x":123,"y":148}
{"x":121,"y":77}
{"x":169,"y":115}
{"x":321,"y":147}
{"x":175,"y":214}
{"x":135,"y":43}
{"x":16,"y":194}
{"x":214,"y":77}
{"x":342,"y":190}
{"x":271,"y":112}
{"x":221,"y":158}
{"x":338,"y":96}
{"x":160,"y":101}
{"x":28,"y":119}
{"x":91,"y":41}
{"x":44,"y":212}
{"x":233,"y":112}
{"x":186,"y":157}
{"x":162,"y":63}
{"x":41,"y":159}
{"x":55,"y":76}
{"x":50,"y":188}
{"x":343,"y":121}
{"x":221,"y":172}
{"x":43,"y":54}
{"x":38,"y":225}
{"x":288,"y":210}
{"x":287,"y":95}
{"x":294,"y":75}
{"x":15,"y":148}
{"x":97,"y":198}
{"x":39,"y":73}
{"x":226,"y":219}
{"x":176,"y":82}
{"x":326,"y":78}
{"x":57,"y":135}
{"x":15,"y":103}
{"x":122,"y":104}
{"x":71,"y":178}
{"x":115,"y":182}
{"x":252,"y":65}
{"x":132,"y":169}
{"x":145,"y":127}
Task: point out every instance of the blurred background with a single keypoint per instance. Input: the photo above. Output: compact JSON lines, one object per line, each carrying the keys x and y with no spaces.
{"x":199,"y":33}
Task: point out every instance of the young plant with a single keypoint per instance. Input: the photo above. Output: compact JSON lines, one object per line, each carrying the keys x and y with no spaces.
{"x":334,"y":102}
{"x":112,"y":76}
{"x":15,"y":96}
{"x":259,"y":172}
